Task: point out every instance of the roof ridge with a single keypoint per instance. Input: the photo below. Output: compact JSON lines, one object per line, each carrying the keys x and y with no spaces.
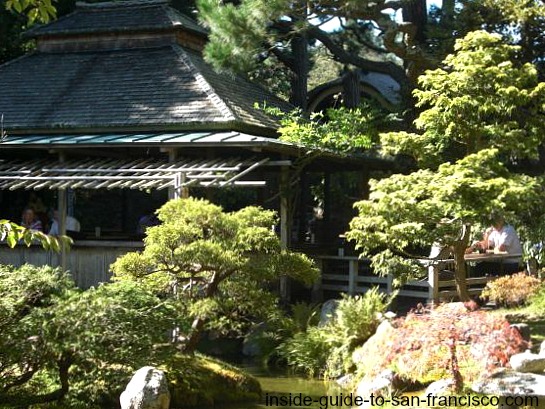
{"x":119,"y":4}
{"x":178,"y":18}
{"x":205,"y":85}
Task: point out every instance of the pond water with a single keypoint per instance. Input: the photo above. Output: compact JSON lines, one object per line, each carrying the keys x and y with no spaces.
{"x":282,"y":389}
{"x":279,"y":386}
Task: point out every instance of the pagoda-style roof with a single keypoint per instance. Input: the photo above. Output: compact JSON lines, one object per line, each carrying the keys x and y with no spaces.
{"x":116,"y":17}
{"x":86,"y":77}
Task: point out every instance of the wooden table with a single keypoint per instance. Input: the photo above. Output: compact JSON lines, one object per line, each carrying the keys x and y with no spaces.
{"x":498,"y":257}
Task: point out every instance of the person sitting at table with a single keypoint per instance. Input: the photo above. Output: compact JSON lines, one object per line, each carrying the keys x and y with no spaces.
{"x":30,"y":221}
{"x":72,"y":225}
{"x":501,"y":237}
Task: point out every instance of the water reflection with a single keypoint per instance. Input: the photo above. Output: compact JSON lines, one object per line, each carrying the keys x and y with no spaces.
{"x":282,"y":389}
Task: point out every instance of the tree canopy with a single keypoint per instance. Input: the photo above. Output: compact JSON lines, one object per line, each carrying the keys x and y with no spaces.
{"x":244,"y":34}
{"x":215,"y":264}
{"x":482,"y":113}
{"x":35,"y":10}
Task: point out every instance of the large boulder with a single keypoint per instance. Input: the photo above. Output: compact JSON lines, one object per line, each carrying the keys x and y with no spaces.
{"x":528,"y":362}
{"x":509,"y":383}
{"x":542,"y":349}
{"x":382,"y":385}
{"x":384,"y":328}
{"x":147,"y":389}
{"x":440,"y":387}
{"x":328,"y":311}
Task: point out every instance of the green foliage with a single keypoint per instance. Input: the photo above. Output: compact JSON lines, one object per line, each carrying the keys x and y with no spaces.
{"x":35,"y":10}
{"x":482,"y":113}
{"x":536,"y":303}
{"x":405,"y":213}
{"x":341,"y":130}
{"x":481,"y":99}
{"x":306,"y":352}
{"x":216,"y":265}
{"x":512,"y":291}
{"x":418,"y":348}
{"x":13,"y":234}
{"x":327,"y":350}
{"x":55,"y":338}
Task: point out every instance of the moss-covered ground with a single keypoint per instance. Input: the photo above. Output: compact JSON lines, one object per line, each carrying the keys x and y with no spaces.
{"x":197,"y":381}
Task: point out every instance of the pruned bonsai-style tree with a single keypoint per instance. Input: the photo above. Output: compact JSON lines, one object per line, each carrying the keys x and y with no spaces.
{"x":482,"y":118}
{"x":217,"y":265}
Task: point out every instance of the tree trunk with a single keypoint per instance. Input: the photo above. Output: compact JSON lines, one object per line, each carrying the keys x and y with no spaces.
{"x":461,"y":273}
{"x":351,"y":88}
{"x":415,"y":11}
{"x":299,"y":49}
{"x":460,"y":263}
{"x":198,"y":323}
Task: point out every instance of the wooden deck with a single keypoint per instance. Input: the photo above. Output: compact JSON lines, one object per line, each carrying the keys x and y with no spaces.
{"x":89,"y":263}
{"x":353,"y":275}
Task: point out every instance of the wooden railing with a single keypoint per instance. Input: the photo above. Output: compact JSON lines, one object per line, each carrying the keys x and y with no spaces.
{"x":87,"y":261}
{"x":353,"y":275}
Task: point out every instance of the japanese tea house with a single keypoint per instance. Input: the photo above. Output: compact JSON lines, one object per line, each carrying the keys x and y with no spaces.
{"x":115,"y":111}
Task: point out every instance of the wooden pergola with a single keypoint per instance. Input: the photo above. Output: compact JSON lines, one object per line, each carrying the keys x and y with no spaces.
{"x":106,"y":173}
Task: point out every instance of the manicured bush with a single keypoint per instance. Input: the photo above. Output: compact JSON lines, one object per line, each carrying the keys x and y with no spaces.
{"x":512,"y":291}
{"x":82,"y":347}
{"x":419,"y":348}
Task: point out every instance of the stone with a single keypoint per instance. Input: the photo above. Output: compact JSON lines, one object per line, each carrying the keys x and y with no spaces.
{"x":147,"y":389}
{"x":381,"y":385}
{"x":345,"y":380}
{"x":506,"y":382}
{"x":384,"y":327}
{"x":542,"y":349}
{"x":523,"y":329}
{"x":440,"y":387}
{"x":328,"y":311}
{"x":528,"y":363}
{"x":251,"y":343}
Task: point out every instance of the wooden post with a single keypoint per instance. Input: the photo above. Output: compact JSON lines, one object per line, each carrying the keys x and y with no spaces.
{"x":389,"y":284}
{"x":433,"y":280}
{"x":317,"y":293}
{"x":62,"y":208}
{"x":352,"y":276}
{"x":173,"y":191}
{"x":284,"y":226}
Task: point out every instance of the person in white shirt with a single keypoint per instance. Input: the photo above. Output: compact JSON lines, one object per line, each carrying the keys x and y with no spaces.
{"x":501,"y":237}
{"x":72,"y":225}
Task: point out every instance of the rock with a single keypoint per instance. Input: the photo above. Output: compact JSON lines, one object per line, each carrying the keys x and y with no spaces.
{"x":542,"y":349}
{"x":390,"y":315}
{"x":147,"y":389}
{"x":528,"y":362}
{"x":509,"y":383}
{"x":381,"y":385}
{"x":440,"y":387}
{"x":251,"y":344}
{"x":345,"y":381}
{"x":524,"y":330}
{"x":384,"y":327}
{"x":328,"y":311}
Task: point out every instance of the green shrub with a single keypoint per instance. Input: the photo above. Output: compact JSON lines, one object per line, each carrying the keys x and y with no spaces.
{"x":307,"y":352}
{"x":327,"y":350}
{"x":536,"y":302}
{"x":82,"y":347}
{"x":511,"y":291}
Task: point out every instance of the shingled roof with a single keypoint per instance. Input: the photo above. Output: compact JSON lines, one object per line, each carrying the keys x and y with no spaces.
{"x":115,"y":17}
{"x":157,"y":87}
